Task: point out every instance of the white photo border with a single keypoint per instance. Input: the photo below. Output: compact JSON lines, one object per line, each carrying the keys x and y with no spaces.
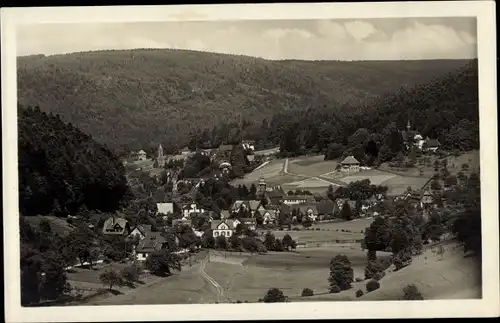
{"x":484,"y":11}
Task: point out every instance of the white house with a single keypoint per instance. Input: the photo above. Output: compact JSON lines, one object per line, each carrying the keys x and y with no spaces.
{"x":165,"y":208}
{"x":189,"y":209}
{"x":222,"y":228}
{"x":297,"y":199}
{"x":141,"y":155}
{"x":270,"y":216}
{"x":141,"y":231}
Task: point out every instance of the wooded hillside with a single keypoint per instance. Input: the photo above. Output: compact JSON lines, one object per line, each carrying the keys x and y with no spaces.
{"x":137,"y":99}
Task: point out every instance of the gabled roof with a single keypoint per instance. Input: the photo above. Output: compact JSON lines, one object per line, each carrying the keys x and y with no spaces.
{"x":350,"y":160}
{"x":143,"y":228}
{"x":304,"y":208}
{"x":111,"y":222}
{"x":254,"y":204}
{"x":141,"y":152}
{"x":152,"y":242}
{"x":215,"y":223}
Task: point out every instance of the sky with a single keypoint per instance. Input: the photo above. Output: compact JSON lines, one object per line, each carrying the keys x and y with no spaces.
{"x":337,"y":39}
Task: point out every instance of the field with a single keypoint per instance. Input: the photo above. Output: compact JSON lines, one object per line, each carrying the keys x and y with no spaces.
{"x":329,"y":232}
{"x":314,"y":174}
{"x":453,"y":277}
{"x":58,"y":225}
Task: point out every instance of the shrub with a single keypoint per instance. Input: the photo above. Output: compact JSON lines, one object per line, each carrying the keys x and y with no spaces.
{"x":372,"y":285}
{"x":341,"y":272}
{"x":372,"y":268}
{"x":359,"y":293}
{"x":378,"y":276}
{"x":411,"y":293}
{"x":334,"y":289}
{"x":307,"y":292}
{"x":274,"y":295}
{"x":317,"y":229}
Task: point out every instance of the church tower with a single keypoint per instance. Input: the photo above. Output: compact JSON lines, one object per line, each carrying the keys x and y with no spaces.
{"x":261,"y":188}
{"x":408,"y":126}
{"x":160,"y":152}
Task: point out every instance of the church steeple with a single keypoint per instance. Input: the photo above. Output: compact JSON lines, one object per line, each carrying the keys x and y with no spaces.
{"x":160,"y":152}
{"x":408,"y":126}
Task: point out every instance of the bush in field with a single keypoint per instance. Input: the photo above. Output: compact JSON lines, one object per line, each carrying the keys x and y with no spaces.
{"x":372,"y":285}
{"x":378,"y":276}
{"x":131,"y":274}
{"x":359,"y":293}
{"x":341,"y":272}
{"x":111,"y":278}
{"x":335,"y":289}
{"x":411,"y":293}
{"x":372,"y":268}
{"x":307,"y":292}
{"x":274,"y":295}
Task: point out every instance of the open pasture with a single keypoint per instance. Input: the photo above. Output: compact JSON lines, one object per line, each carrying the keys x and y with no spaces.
{"x":58,"y":225}
{"x":290,"y":272}
{"x":453,"y":277}
{"x":398,"y":184}
{"x":311,"y":166}
{"x":376,"y":177}
{"x":310,"y":236}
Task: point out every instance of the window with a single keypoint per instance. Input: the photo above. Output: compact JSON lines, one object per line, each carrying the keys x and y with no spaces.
{"x":228,"y":233}
{"x":216,"y":233}
{"x":224,"y":233}
{"x":144,"y":255}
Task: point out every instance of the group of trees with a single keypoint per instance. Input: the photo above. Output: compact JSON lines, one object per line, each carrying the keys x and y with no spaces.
{"x":62,"y":169}
{"x":275,"y":244}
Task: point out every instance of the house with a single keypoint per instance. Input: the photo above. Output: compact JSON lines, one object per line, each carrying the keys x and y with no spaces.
{"x":222,"y":228}
{"x":326,"y":208}
{"x":410,"y":137}
{"x":141,"y":155}
{"x":431,"y":145}
{"x":275,"y":195}
{"x":186,"y":152}
{"x":236,"y":222}
{"x":350,"y":164}
{"x":141,"y":231}
{"x":270,"y":215}
{"x":426,"y":198}
{"x":309,"y":210}
{"x":239,"y":205}
{"x":154,"y":241}
{"x":188,"y":209}
{"x":116,"y":225}
{"x":298,"y":199}
{"x":177,"y":158}
{"x":250,"y":223}
{"x":248,"y":144}
{"x":165,"y":208}
{"x":352,"y":204}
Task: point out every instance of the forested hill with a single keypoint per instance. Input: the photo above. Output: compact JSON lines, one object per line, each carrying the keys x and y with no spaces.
{"x":138,"y":98}
{"x":61,"y":169}
{"x":446,"y":109}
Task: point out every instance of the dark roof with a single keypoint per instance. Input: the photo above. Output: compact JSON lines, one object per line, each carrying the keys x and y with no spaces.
{"x":152,"y":242}
{"x":432,"y":143}
{"x":225,"y":148}
{"x":326,"y":207}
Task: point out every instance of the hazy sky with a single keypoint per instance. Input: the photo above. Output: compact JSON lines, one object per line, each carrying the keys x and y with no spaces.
{"x":362,"y":39}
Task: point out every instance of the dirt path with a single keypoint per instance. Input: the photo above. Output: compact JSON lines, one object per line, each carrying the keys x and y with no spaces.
{"x":218,"y":288}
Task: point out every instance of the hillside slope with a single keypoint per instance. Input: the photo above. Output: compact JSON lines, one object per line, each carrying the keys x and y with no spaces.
{"x":160,"y":96}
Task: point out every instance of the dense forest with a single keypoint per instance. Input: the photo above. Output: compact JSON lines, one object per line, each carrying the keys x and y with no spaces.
{"x":162,"y":96}
{"x":62,"y":169}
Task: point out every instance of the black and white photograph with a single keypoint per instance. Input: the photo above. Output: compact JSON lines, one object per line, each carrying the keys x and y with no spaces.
{"x":215,"y":158}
